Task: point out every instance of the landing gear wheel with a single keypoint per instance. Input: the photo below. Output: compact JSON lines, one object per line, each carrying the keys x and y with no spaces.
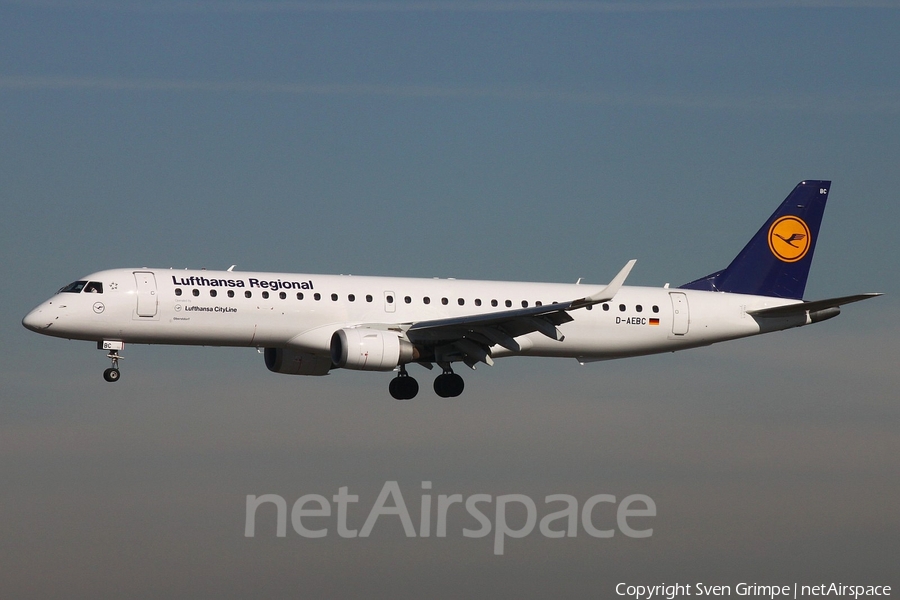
{"x":403,"y":387}
{"x":112,"y":373}
{"x":448,"y":385}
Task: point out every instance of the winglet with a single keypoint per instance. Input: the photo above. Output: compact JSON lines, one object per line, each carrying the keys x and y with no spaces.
{"x":610,"y":290}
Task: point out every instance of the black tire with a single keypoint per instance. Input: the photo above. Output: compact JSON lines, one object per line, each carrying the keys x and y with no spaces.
{"x":411,"y":388}
{"x":111,"y":375}
{"x":448,"y":385}
{"x":440,"y":386}
{"x":455,"y":385}
{"x":404,"y":388}
{"x":396,"y":389}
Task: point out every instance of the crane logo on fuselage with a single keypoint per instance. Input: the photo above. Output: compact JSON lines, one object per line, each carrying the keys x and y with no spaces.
{"x":789,"y":239}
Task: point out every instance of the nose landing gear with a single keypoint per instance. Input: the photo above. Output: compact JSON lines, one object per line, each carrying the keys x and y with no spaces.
{"x":112,"y":374}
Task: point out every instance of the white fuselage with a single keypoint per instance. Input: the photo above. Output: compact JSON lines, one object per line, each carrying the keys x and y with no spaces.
{"x":302,"y":311}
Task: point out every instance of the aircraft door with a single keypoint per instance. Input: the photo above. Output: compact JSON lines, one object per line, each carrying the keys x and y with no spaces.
{"x":681,"y":316}
{"x":147,"y":299}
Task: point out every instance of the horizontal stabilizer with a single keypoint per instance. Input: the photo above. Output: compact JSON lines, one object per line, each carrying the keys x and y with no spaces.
{"x":803,"y":307}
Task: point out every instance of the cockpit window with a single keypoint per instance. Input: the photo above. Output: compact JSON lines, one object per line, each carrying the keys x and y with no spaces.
{"x":75,"y":287}
{"x":93,"y":287}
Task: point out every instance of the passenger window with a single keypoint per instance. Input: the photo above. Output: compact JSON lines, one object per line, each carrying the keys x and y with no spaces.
{"x":351,"y":298}
{"x":94,"y":287}
{"x":655,"y":308}
{"x":265,"y":295}
{"x":368,"y":297}
{"x":508,"y":303}
{"x":195,"y":292}
{"x":524,"y":303}
{"x":639,"y":308}
{"x":444,"y":301}
{"x":248,"y":294}
{"x":408,"y":300}
{"x":177,"y":291}
{"x":477,"y":301}
{"x":461,"y":301}
{"x":606,"y":307}
{"x":334,"y":297}
{"x":282,"y":295}
{"x":317,"y":296}
{"x":213,"y":293}
{"x":389,"y":299}
{"x":426,"y":300}
{"x":299,"y":295}
{"x":622,"y":308}
{"x":494,"y":303}
{"x":231,"y":293}
{"x":539,"y":303}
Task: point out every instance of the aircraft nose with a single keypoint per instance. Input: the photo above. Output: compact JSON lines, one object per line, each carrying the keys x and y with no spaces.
{"x":36,"y":320}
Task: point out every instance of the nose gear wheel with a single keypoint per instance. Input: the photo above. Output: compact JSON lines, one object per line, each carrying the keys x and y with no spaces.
{"x":112,"y":374}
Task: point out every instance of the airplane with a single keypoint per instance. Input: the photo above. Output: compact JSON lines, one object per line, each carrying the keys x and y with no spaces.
{"x":307,"y":324}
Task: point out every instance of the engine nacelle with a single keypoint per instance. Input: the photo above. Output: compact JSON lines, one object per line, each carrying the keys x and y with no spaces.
{"x":291,"y":362}
{"x":367,"y":349}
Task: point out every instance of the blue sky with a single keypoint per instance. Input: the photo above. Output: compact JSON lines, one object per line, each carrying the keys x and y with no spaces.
{"x":495,"y":140}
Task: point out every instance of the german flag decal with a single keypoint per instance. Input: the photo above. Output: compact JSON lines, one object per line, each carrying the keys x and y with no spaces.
{"x":654,"y":321}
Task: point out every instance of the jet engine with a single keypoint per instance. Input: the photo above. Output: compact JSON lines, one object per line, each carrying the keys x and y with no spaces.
{"x":291,"y":362}
{"x":367,"y":349}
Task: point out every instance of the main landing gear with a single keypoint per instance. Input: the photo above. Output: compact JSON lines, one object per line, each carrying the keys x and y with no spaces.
{"x":446,"y":385}
{"x":403,"y":387}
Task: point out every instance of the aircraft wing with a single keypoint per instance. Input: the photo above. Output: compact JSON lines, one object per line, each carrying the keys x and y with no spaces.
{"x":469,"y":338}
{"x":803,"y":307}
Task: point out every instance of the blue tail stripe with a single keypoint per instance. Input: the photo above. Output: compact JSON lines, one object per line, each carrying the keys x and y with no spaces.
{"x":776,"y":261}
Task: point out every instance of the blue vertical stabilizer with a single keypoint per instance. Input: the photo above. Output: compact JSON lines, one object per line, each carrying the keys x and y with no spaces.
{"x":776,"y":261}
